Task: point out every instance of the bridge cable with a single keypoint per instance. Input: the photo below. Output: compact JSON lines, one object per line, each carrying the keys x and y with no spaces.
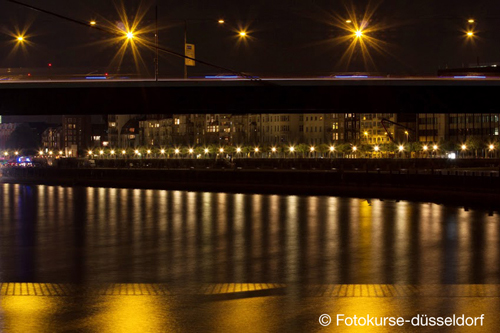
{"x":146,"y":42}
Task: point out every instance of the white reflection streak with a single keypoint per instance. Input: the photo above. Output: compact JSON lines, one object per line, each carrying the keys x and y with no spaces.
{"x":256,"y":225}
{"x":402,"y":241}
{"x":332,"y":239}
{"x":464,"y":251}
{"x":312,"y":244}
{"x":190,"y":225}
{"x":162,"y":212}
{"x":238,"y":233}
{"x":377,"y":239}
{"x":492,"y":240}
{"x":292,"y":244}
{"x":274,"y":223}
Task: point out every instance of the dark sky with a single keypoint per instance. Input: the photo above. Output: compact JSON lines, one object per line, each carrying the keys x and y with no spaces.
{"x":288,"y":37}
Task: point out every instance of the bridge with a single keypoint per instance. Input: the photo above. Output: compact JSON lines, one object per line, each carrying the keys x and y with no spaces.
{"x":238,"y":96}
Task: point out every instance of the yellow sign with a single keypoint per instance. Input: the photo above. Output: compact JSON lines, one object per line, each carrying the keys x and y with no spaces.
{"x":189,"y":52}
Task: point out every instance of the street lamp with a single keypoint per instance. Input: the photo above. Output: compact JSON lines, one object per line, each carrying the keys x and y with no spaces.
{"x":238,"y":150}
{"x":92,"y":23}
{"x":221,"y":21}
{"x":376,"y":148}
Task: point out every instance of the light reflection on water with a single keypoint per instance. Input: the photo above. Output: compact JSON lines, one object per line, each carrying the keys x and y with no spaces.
{"x":88,"y":235}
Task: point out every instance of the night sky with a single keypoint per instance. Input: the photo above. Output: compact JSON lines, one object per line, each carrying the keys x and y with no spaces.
{"x":287,"y":37}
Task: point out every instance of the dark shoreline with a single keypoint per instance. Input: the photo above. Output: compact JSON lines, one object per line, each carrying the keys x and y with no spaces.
{"x":415,"y":188}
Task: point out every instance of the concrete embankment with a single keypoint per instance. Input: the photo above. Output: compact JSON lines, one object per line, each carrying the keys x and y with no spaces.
{"x":478,"y":189}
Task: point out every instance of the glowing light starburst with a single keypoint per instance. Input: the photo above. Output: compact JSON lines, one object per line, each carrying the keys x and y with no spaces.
{"x":131,"y":37}
{"x":20,"y":41}
{"x":360,"y":31}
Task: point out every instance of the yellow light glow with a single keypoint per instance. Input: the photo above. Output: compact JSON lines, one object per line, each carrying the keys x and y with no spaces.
{"x":365,"y":133}
{"x":359,"y":33}
{"x":435,"y":147}
{"x":311,"y":149}
{"x":470,"y":33}
{"x":6,"y":153}
{"x":221,"y":21}
{"x":273,"y":149}
{"x":256,"y":149}
{"x":354,"y":148}
{"x":292,"y":149}
{"x":348,"y":21}
{"x":238,"y":150}
{"x":50,"y":152}
{"x":221,"y":150}
{"x":470,"y":20}
{"x":149,"y":151}
{"x":464,"y":147}
{"x":123,"y":152}
{"x":16,"y":153}
{"x":90,"y":152}
{"x":492,"y":147}
{"x":130,"y":35}
{"x":191,"y":150}
{"x":93,"y":22}
{"x":112,"y":152}
{"x":40,"y":152}
{"x":332,"y":148}
{"x":101,"y":152}
{"x":136,"y":151}
{"x":60,"y":152}
{"x":206,"y":151}
{"x":20,"y":38}
{"x":401,"y":148}
{"x":425,"y":147}
{"x":242,"y":34}
{"x":177,"y":151}
{"x":162,"y":151}
{"x":376,"y":148}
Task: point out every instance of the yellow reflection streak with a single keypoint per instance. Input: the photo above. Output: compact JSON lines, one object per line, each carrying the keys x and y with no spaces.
{"x":132,"y":314}
{"x":28,"y":313}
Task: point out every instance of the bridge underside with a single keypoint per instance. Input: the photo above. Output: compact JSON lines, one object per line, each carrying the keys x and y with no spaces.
{"x":247,"y":97}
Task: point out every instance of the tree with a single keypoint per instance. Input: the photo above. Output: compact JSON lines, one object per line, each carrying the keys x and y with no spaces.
{"x":23,"y":137}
